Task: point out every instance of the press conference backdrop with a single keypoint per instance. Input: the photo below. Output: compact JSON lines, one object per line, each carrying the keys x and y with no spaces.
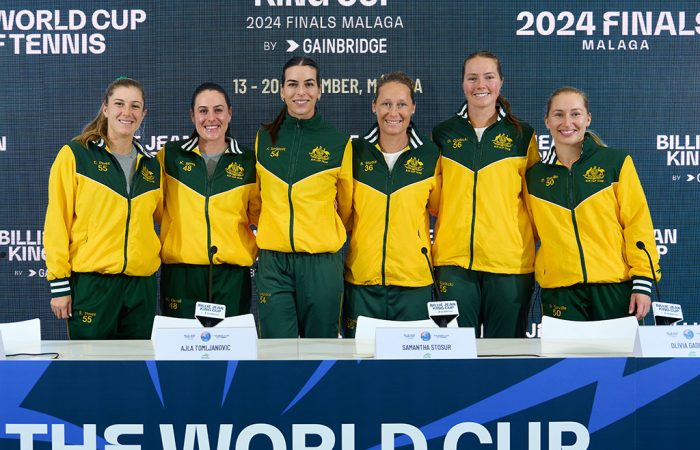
{"x":638,"y":61}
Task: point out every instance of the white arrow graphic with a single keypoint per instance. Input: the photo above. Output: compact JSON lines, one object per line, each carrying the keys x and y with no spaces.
{"x":691,"y":177}
{"x":292,"y":45}
{"x":32,"y":272}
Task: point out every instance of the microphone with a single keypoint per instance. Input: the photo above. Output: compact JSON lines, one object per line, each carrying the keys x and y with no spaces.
{"x":210,"y":314}
{"x":664,"y":313}
{"x":212,"y":251}
{"x":440,"y":312}
{"x":436,"y":289}
{"x":641,"y":246}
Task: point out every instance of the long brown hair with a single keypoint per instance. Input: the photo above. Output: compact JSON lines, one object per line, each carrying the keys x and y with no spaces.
{"x":274,"y":127}
{"x":510,"y":117}
{"x":97,"y":129}
{"x":573,"y":90}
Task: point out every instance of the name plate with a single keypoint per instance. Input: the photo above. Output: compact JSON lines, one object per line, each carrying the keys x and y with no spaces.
{"x":425,"y":343}
{"x":2,"y":347}
{"x":206,"y":343}
{"x":664,"y":341}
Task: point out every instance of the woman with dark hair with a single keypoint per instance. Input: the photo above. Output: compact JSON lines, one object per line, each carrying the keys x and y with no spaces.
{"x":305,"y":178}
{"x":99,"y":236}
{"x":396,"y":175}
{"x":484,"y":249}
{"x":590,"y":214}
{"x":211,"y":199}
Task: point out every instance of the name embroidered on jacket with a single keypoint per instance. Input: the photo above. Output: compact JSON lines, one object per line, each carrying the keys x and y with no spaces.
{"x":503,"y":142}
{"x":320,"y":154}
{"x":457,"y":142}
{"x":186,"y":166}
{"x":549,"y":181}
{"x":235,"y":170}
{"x":594,"y":174}
{"x":275,"y":151}
{"x":102,"y":166}
{"x":147,"y":175}
{"x":368,"y":166}
{"x":414,"y":165}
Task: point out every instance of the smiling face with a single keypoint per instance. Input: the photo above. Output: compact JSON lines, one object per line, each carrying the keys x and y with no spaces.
{"x":301,"y":91}
{"x":567,"y":119}
{"x":124,"y":112}
{"x":481,"y":82}
{"x":393,"y":108}
{"x":211,"y":116}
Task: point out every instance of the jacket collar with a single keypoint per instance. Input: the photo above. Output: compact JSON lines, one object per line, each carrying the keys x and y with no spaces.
{"x":501,"y":111}
{"x":231,"y":147}
{"x":291,"y":121}
{"x":414,"y":141}
{"x":550,"y":156}
{"x":140,"y":149}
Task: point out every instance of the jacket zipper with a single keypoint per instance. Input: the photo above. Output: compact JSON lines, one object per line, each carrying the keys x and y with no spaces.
{"x":572,"y":205}
{"x":207,"y":194}
{"x":294,"y":157}
{"x":128,"y":208}
{"x":477,"y":166}
{"x":389,"y":187}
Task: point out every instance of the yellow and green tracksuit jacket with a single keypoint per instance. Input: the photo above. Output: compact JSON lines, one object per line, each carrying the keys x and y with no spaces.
{"x":92,"y":223}
{"x":589,"y":220}
{"x":390,"y":220}
{"x":305,"y":182}
{"x":201,"y":213}
{"x":483,"y":222}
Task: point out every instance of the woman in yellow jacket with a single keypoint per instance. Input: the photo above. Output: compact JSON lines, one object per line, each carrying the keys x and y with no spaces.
{"x":592,"y":219}
{"x":305,"y":178}
{"x":484,"y":250}
{"x":396,"y":176}
{"x":102,"y":250}
{"x":211,"y":200}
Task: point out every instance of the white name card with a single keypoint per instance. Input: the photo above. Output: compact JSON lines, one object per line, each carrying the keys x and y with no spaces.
{"x":666,"y":313}
{"x":663,"y":341}
{"x":2,"y":347}
{"x":206,"y":343}
{"x":425,"y":343}
{"x":212,"y":310}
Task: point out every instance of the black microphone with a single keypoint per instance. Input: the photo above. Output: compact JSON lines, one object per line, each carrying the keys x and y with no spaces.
{"x":209,"y":322}
{"x":436,"y":288}
{"x":441,"y":319}
{"x":641,"y":246}
{"x":212,"y":251}
{"x":664,"y":313}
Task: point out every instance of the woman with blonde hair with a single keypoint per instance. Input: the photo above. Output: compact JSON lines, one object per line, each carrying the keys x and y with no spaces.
{"x":592,"y":220}
{"x":102,"y":250}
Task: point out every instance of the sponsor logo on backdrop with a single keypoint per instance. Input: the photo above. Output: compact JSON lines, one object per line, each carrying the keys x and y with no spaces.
{"x":319,"y":41}
{"x":20,"y":246}
{"x":156,"y":142}
{"x":23,"y":245}
{"x":609,"y":30}
{"x":682,"y":153}
{"x":665,"y":237}
{"x":63,"y":32}
{"x":3,"y":143}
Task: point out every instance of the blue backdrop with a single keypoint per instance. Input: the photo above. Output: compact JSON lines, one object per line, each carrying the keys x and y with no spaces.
{"x":637,"y":60}
{"x":518,"y":404}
